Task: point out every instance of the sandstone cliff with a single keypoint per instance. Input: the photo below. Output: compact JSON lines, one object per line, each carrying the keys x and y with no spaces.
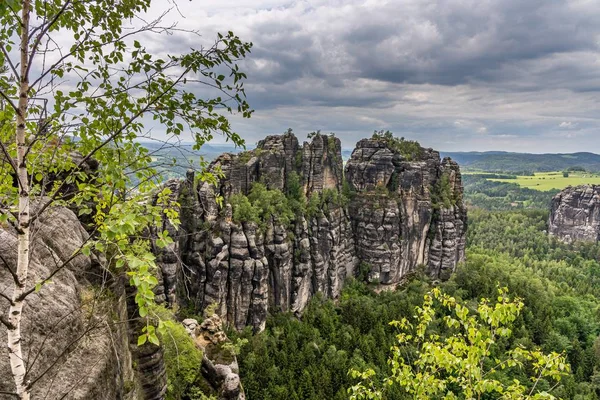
{"x":575,"y":214}
{"x":393,"y":215}
{"x":75,"y":330}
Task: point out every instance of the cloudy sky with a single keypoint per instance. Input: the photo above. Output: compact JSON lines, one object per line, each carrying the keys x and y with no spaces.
{"x":519,"y":75}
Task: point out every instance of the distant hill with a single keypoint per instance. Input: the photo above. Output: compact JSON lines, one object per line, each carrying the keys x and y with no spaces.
{"x":172,"y":160}
{"x":497,"y":161}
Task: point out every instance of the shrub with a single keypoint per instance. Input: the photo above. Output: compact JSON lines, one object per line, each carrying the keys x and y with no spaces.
{"x":183,"y":360}
{"x":442,"y":195}
{"x":243,"y":210}
{"x":262,"y":205}
{"x":409,"y":149}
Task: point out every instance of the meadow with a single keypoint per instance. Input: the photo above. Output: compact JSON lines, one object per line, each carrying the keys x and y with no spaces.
{"x":545,"y":181}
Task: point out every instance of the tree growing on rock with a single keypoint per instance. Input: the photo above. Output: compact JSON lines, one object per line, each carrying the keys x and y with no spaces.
{"x":78,"y":87}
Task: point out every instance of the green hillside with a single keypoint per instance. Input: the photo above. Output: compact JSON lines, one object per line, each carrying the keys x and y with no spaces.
{"x":520,"y":162}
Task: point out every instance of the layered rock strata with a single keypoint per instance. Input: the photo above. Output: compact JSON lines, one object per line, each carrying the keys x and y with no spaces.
{"x":385,"y":213}
{"x":575,"y":214}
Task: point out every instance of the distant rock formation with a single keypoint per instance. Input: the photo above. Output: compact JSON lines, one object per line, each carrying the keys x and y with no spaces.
{"x":395,"y":215}
{"x":575,"y":214}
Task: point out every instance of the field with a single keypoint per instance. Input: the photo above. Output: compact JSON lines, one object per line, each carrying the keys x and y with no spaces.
{"x":545,"y":181}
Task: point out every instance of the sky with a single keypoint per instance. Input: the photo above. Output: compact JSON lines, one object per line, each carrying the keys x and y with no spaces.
{"x":456,"y":75}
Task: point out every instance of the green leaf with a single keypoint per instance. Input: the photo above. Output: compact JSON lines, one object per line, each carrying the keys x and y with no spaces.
{"x":152,"y":338}
{"x":142,"y":339}
{"x":85,"y":250}
{"x":162,"y":328}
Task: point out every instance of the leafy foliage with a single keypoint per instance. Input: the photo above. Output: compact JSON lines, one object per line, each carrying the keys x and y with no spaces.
{"x":70,"y":125}
{"x":462,"y":361}
{"x":183,"y":361}
{"x":443,"y":195}
{"x":261,"y":206}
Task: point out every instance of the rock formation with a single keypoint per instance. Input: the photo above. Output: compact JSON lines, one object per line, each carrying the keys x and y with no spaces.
{"x":219,"y":363}
{"x":396,"y":222}
{"x":575,"y":214}
{"x":382,"y":216}
{"x":75,"y":344}
{"x":394,"y":214}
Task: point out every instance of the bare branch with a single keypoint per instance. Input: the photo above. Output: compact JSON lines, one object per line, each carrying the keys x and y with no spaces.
{"x":47,"y":334}
{"x":9,"y":159}
{"x":6,"y":323}
{"x":10,"y":102}
{"x":12,"y":272}
{"x":56,"y":270}
{"x":7,"y":298}
{"x":65,"y":351}
{"x":10,"y":63}
{"x":43,"y":33}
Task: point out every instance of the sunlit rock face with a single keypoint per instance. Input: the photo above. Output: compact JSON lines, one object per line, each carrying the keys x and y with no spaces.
{"x":395,"y":222}
{"x":575,"y":214}
{"x":388,"y":222}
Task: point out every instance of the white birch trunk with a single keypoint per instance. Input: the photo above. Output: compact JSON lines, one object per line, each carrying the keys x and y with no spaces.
{"x":17,"y":362}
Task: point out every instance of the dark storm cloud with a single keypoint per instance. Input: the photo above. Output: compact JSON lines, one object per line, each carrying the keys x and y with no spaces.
{"x":510,"y":74}
{"x":443,"y":42}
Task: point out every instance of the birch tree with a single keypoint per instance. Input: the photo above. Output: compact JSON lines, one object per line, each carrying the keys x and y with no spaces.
{"x":77,"y":84}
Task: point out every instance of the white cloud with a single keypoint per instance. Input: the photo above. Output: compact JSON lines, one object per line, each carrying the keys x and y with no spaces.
{"x":568,"y":125}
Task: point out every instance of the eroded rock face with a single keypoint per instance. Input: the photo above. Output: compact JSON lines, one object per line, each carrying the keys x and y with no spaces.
{"x":397,"y":222}
{"x":575,"y":214}
{"x":70,"y":327}
{"x":391,"y":222}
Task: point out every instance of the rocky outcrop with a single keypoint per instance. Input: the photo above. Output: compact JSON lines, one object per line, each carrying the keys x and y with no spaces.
{"x":74,"y":328}
{"x":219,"y":363}
{"x":385,"y":212}
{"x":575,"y":214}
{"x":399,"y":214}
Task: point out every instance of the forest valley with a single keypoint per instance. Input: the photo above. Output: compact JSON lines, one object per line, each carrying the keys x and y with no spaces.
{"x":559,"y":284}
